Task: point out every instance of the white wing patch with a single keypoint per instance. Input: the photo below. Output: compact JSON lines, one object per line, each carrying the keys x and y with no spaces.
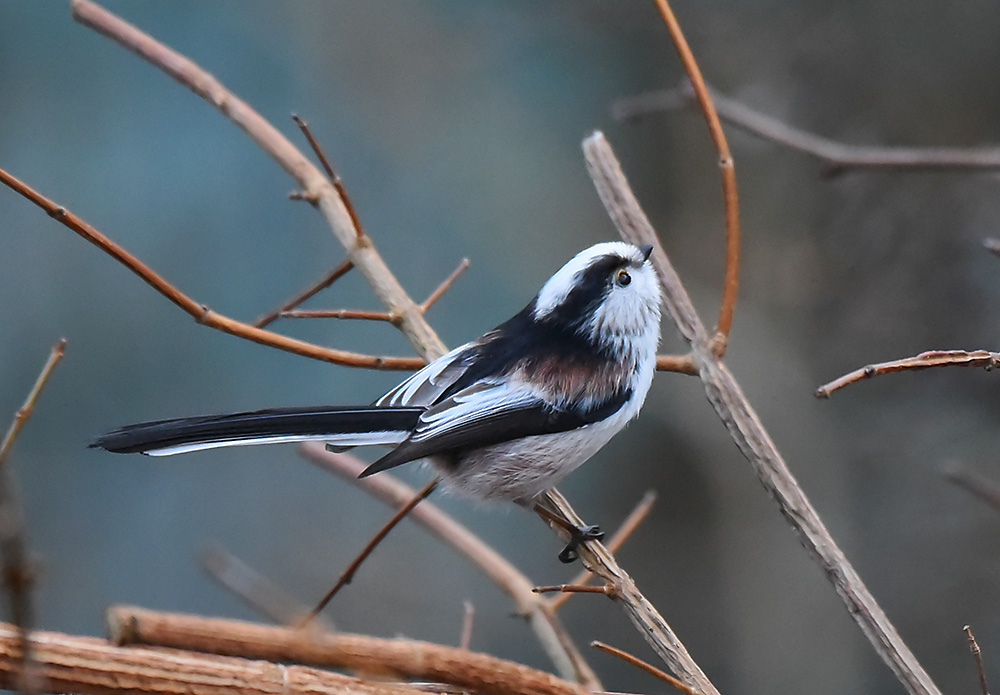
{"x":424,"y":387}
{"x":478,"y":402}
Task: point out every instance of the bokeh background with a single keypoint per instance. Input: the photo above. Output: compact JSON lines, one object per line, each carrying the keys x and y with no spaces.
{"x":456,"y":127}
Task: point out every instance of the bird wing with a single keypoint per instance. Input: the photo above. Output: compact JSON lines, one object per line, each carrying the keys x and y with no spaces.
{"x":427,"y":385}
{"x":488,"y":413}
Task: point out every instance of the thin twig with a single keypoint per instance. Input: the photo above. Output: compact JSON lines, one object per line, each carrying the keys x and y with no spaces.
{"x":201,"y":313}
{"x":356,"y":314}
{"x":331,"y":173}
{"x":18,"y":568}
{"x":310,"y":291}
{"x":986,"y":490}
{"x":570,"y":589}
{"x":647,"y":667}
{"x":252,"y":587}
{"x":329,"y":201}
{"x":24,"y":412}
{"x":468,"y":619}
{"x":361,"y":653}
{"x":747,"y":431}
{"x":542,"y":619}
{"x":836,"y":157}
{"x":352,"y":569}
{"x":682,"y":364}
{"x":730,"y":195}
{"x":932,"y":358}
{"x":624,"y":532}
{"x":977,"y":656}
{"x":443,"y":287}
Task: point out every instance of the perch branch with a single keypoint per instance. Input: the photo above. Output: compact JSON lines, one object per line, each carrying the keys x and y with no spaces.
{"x":310,"y":291}
{"x":648,"y":668}
{"x":71,"y":664}
{"x":390,"y":657}
{"x":542,"y":619}
{"x":747,"y":431}
{"x":352,"y":569}
{"x":356,"y":314}
{"x":683,"y":364}
{"x":730,"y":195}
{"x":836,"y":157}
{"x":201,"y":313}
{"x":624,"y":532}
{"x":328,"y":200}
{"x":925,"y":360}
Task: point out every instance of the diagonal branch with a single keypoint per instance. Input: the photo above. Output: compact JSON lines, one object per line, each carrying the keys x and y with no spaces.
{"x":201,"y":313}
{"x":746,"y":429}
{"x":318,"y":188}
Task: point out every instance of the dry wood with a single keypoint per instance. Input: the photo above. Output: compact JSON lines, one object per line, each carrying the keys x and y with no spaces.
{"x":746,"y":429}
{"x":89,"y":665}
{"x":370,"y":655}
{"x":925,"y":360}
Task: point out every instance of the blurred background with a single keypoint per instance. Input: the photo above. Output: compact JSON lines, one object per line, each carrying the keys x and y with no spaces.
{"x":456,"y":127}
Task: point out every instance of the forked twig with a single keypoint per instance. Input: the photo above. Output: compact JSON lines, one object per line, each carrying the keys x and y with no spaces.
{"x":352,"y":569}
{"x":747,"y":431}
{"x":647,"y":667}
{"x":624,"y":532}
{"x":730,"y":195}
{"x":201,"y":313}
{"x":328,"y":199}
{"x":331,"y":173}
{"x":925,"y":360}
{"x":24,"y":412}
{"x":305,"y":294}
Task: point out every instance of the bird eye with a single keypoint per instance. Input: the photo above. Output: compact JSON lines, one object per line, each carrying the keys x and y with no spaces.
{"x":623,"y":278}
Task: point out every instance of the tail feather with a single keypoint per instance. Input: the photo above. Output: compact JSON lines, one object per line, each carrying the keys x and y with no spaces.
{"x":348,"y":426}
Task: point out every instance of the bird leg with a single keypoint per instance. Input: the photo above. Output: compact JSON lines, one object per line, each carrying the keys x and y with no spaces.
{"x":577,"y":534}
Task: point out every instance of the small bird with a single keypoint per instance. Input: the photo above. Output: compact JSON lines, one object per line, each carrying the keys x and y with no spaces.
{"x":506,"y":416}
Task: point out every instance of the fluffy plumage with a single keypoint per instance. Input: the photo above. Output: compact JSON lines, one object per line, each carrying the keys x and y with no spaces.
{"x":505,"y":416}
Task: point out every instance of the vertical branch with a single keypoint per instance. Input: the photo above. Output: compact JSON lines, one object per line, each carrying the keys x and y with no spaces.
{"x":729,"y":191}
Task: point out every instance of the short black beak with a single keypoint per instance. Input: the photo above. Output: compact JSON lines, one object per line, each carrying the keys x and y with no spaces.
{"x":646,"y":250}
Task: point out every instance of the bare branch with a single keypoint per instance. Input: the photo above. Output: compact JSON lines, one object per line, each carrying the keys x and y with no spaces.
{"x":977,"y":656}
{"x":925,"y":360}
{"x":986,"y":490}
{"x":730,"y":196}
{"x":90,"y":665}
{"x":447,"y":283}
{"x":747,"y":431}
{"x":329,"y":201}
{"x":18,"y":567}
{"x":252,"y":588}
{"x":624,"y":532}
{"x":546,"y":625}
{"x":302,"y":296}
{"x":570,"y":589}
{"x":371,"y":655}
{"x":201,"y":313}
{"x":356,"y":314}
{"x":468,"y":619}
{"x":349,"y":573}
{"x":648,"y":668}
{"x":683,"y":364}
{"x":333,"y":175}
{"x":837,"y":157}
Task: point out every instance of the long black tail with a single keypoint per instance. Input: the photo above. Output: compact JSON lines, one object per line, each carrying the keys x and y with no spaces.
{"x":344,"y":426}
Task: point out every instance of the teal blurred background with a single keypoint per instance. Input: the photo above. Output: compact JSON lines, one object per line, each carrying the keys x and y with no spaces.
{"x":456,"y":127}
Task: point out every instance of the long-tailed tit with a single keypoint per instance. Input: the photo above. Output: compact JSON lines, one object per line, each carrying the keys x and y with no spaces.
{"x":506,"y":416}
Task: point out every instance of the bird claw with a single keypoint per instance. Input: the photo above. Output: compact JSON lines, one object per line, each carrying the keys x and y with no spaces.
{"x":579,"y":534}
